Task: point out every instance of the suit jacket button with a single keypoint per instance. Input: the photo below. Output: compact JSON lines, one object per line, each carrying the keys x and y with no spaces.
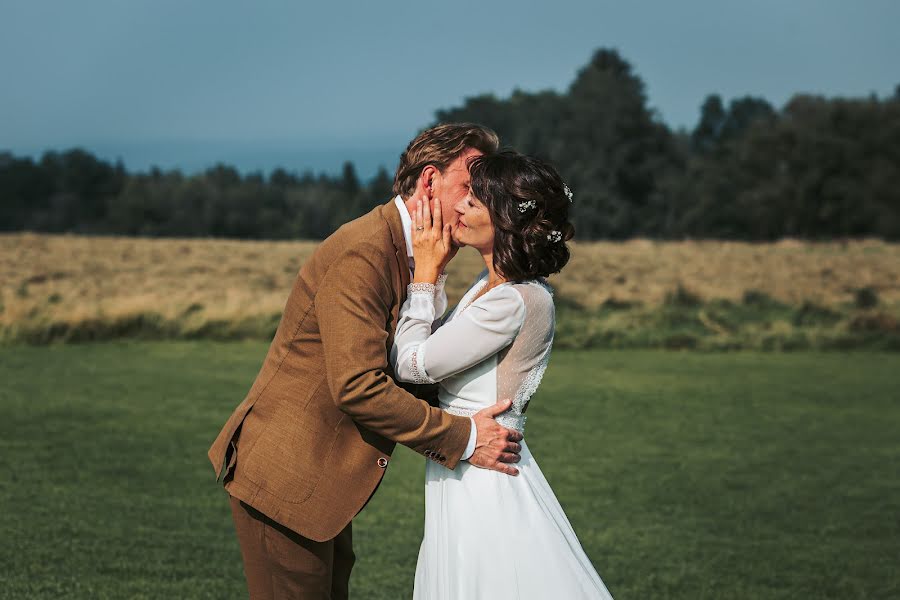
{"x":382,"y":462}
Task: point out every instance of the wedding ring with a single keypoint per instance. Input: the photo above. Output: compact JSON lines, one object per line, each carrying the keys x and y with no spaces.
{"x":420,"y":228}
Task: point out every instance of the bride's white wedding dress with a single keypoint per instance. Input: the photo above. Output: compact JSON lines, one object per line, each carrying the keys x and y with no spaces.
{"x":487,"y":534}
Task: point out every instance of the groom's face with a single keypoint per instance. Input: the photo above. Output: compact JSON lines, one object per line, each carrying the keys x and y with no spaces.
{"x":454,"y":185}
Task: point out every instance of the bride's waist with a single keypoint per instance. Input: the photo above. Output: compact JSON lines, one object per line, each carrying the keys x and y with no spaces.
{"x":508,"y":419}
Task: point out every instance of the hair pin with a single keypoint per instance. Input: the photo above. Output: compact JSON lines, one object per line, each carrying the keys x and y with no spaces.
{"x":524,"y":206}
{"x":568,"y":192}
{"x":554,"y":236}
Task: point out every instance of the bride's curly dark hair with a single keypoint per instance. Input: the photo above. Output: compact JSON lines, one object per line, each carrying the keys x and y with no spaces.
{"x":529,"y":208}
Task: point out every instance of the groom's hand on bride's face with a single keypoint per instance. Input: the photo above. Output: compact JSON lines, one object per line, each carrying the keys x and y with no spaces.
{"x":495,"y":446}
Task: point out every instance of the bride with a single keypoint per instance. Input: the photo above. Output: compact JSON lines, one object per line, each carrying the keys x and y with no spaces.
{"x":495,"y":344}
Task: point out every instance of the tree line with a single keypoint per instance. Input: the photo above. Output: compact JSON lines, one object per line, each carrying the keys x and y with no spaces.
{"x":816,"y":168}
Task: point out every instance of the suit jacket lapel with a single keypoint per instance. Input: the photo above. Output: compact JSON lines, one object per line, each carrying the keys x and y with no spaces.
{"x":392,"y":216}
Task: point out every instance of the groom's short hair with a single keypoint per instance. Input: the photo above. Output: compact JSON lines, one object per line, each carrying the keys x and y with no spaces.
{"x":439,"y":146}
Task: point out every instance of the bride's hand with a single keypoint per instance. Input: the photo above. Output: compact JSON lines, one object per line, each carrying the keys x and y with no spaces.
{"x":432,"y":245}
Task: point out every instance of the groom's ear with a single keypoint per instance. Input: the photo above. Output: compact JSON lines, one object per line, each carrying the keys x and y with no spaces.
{"x":431,"y":180}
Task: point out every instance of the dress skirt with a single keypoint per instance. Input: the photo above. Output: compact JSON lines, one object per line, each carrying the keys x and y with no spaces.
{"x":491,"y":535}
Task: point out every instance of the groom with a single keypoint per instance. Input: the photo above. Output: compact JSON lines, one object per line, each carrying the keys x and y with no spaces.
{"x":308,"y":446}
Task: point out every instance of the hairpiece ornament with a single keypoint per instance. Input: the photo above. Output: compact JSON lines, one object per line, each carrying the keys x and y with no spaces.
{"x":568,"y":192}
{"x":554,"y":236}
{"x":523,"y":206}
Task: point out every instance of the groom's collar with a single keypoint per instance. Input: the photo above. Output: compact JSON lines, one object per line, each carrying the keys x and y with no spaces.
{"x":407,"y":223}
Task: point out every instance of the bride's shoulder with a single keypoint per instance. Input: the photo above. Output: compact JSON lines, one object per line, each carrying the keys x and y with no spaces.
{"x":535,"y":291}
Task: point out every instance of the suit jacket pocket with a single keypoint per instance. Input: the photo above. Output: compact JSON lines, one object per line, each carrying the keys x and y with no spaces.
{"x":289,"y":458}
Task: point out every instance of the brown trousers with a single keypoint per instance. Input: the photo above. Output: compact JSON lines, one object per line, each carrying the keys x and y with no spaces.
{"x":280,"y":564}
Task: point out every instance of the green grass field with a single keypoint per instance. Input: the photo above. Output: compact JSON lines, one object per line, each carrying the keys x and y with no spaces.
{"x":686,"y":475}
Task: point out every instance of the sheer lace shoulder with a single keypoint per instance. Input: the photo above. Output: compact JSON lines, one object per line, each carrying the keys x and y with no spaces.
{"x":522,"y":364}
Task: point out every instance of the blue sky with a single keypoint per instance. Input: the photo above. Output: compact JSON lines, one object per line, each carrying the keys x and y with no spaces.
{"x":306,"y":85}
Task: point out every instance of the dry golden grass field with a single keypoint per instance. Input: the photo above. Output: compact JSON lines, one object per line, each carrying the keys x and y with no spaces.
{"x":691,"y":294}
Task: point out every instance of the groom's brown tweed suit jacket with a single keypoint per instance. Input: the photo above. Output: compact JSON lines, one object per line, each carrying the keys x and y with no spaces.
{"x":311,"y":441}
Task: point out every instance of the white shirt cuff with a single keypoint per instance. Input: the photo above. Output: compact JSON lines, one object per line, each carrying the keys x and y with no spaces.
{"x":470,"y":447}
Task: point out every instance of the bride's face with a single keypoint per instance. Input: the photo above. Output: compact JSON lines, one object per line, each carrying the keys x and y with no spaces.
{"x":474,"y":227}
